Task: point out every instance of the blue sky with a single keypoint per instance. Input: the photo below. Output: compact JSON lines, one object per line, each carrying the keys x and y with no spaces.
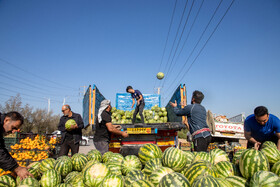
{"x":63,"y":45}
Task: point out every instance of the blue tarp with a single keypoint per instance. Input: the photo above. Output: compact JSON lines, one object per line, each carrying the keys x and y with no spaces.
{"x":85,"y":107}
{"x":124,"y":101}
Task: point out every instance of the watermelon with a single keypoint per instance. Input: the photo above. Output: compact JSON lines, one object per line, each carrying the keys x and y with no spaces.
{"x":129,"y":163}
{"x":7,"y":180}
{"x":95,"y":174}
{"x":224,"y":182}
{"x":224,"y":169}
{"x":272,"y":154}
{"x":113,"y":180}
{"x":276,"y":168}
{"x":142,"y":183}
{"x":50,"y":178}
{"x":202,"y":156}
{"x":106,"y":156}
{"x":151,"y":165}
{"x":173,"y":180}
{"x":237,"y":155}
{"x":160,"y":75}
{"x":69,"y":178}
{"x":174,"y":158}
{"x":79,"y":161}
{"x":78,"y":181}
{"x":265,"y":178}
{"x":158,"y":174}
{"x":269,"y":144}
{"x":63,"y":158}
{"x":237,"y":181}
{"x":189,"y":157}
{"x":115,"y":168}
{"x":63,"y":167}
{"x":34,"y":165}
{"x":94,"y":155}
{"x":116,"y":158}
{"x":199,"y":169}
{"x":252,"y":161}
{"x":207,"y":180}
{"x":133,"y":176}
{"x":64,"y":185}
{"x":69,"y":123}
{"x":149,"y":151}
{"x":46,"y":165}
{"x":30,"y":182}
{"x":236,"y":170}
{"x":35,"y":172}
{"x":90,"y":163}
{"x":218,"y":155}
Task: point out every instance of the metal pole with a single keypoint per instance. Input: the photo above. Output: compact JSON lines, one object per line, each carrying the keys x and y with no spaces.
{"x":49,"y":105}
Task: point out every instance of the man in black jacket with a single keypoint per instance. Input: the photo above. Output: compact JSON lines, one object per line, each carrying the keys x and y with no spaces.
{"x":70,"y":139}
{"x":10,"y":123}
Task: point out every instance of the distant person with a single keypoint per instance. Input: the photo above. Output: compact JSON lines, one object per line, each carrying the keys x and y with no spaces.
{"x":70,"y":139}
{"x":196,"y":123}
{"x":136,"y":95}
{"x":260,"y":127}
{"x":104,"y":128}
{"x":10,"y":123}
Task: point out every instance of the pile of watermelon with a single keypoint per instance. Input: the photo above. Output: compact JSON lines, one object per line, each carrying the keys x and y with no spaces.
{"x":155,"y":115}
{"x":154,"y":168}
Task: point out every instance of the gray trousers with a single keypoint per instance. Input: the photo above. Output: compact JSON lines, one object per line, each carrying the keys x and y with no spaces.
{"x":102,"y":146}
{"x":139,"y":108}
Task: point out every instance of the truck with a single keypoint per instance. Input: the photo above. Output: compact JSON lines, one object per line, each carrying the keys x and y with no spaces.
{"x":162,"y":134}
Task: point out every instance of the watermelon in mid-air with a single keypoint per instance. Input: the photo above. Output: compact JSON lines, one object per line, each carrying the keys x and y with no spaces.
{"x":160,"y":75}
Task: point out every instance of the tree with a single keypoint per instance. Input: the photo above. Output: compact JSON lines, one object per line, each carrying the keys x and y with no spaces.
{"x":36,"y":121}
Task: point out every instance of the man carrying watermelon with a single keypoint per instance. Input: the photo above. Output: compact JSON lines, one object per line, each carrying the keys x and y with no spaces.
{"x":260,"y":127}
{"x":70,"y":125}
{"x":196,"y":121}
{"x":104,"y":128}
{"x":136,"y":95}
{"x":10,"y":123}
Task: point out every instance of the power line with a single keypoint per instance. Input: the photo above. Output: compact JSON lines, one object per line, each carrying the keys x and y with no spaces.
{"x":208,"y":39}
{"x":201,"y":36}
{"x":170,"y":25}
{"x":166,"y":41}
{"x":176,"y":34}
{"x":179,"y":41}
{"x":42,"y":78}
{"x":185,"y":41}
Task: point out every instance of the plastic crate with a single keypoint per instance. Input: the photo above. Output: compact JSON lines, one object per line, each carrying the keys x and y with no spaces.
{"x":11,"y":140}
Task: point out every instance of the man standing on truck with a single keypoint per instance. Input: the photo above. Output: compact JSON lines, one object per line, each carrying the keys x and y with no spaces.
{"x":104,"y":128}
{"x":10,"y":123}
{"x":260,"y":127}
{"x":70,"y":138}
{"x":136,"y":95}
{"x":196,"y":123}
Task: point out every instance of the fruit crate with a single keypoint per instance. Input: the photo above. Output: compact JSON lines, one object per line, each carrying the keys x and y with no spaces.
{"x":11,"y":139}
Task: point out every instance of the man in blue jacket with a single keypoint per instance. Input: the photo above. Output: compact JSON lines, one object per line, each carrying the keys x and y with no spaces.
{"x":260,"y":127}
{"x":70,"y":139}
{"x":196,"y":115}
{"x":140,"y":105}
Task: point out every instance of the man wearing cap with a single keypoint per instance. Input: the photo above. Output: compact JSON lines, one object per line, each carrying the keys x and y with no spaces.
{"x":104,"y":128}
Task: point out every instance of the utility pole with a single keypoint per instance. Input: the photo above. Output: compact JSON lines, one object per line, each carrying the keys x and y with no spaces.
{"x":49,"y":105}
{"x":158,"y":90}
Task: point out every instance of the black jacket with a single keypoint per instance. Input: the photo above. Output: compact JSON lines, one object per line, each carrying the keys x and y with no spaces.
{"x":77,"y":133}
{"x":7,"y":162}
